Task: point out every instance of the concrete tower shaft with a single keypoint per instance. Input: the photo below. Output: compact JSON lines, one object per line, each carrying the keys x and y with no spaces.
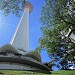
{"x":20,"y":39}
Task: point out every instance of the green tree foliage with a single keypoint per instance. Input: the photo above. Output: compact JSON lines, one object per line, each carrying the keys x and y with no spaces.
{"x":57,"y":17}
{"x":11,"y":6}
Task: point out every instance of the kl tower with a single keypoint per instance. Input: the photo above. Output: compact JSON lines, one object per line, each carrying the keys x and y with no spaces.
{"x":16,"y":54}
{"x":21,"y":37}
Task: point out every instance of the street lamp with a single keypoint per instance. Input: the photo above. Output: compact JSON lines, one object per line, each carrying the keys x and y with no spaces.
{"x":71,"y":34}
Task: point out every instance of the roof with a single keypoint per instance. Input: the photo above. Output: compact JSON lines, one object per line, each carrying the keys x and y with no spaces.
{"x":35,"y":55}
{"x":8,"y":48}
{"x":11,"y":49}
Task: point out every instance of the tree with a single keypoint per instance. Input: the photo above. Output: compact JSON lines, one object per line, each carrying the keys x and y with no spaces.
{"x":11,"y":6}
{"x":57,"y":17}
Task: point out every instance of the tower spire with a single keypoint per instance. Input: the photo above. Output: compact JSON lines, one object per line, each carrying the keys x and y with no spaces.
{"x":20,"y":39}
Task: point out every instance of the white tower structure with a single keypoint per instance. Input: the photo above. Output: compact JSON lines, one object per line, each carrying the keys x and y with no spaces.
{"x":20,"y":39}
{"x":16,"y":55}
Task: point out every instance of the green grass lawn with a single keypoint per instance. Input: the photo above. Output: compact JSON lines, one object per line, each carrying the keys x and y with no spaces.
{"x":61,"y":72}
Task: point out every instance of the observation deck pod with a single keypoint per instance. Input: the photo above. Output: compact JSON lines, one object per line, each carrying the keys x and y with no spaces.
{"x":11,"y":59}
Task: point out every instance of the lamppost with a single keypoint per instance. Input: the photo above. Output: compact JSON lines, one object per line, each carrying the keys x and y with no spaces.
{"x":71,"y":36}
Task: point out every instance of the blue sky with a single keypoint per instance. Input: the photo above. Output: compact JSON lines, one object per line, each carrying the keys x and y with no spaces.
{"x":9,"y":23}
